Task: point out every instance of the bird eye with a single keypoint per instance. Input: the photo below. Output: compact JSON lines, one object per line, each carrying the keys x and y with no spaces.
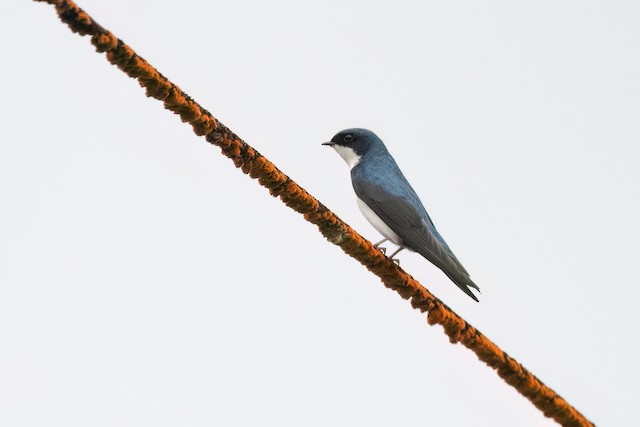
{"x":347,"y":138}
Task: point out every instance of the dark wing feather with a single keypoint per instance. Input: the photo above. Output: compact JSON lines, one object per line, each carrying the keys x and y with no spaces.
{"x":415,"y":228}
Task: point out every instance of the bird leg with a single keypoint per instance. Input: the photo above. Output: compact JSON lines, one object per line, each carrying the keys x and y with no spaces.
{"x":377,"y":245}
{"x":397,"y":261}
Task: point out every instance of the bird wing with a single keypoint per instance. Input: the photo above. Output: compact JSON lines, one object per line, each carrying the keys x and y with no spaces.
{"x":416,"y":230}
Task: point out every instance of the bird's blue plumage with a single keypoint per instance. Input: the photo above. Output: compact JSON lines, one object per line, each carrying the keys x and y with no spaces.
{"x":381,"y":185}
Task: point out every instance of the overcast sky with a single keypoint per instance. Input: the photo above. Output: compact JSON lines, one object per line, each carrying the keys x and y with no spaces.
{"x":146,"y":281}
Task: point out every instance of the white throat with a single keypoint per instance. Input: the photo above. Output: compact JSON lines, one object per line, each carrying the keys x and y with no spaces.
{"x":348,"y":154}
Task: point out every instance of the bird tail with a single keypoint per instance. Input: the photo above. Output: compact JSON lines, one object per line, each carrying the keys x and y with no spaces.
{"x":464,"y":282}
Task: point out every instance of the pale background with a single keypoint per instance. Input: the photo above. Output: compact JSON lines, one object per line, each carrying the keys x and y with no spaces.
{"x":146,"y":281}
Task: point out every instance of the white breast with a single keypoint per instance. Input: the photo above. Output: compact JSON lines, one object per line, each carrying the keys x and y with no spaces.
{"x":377,"y":223}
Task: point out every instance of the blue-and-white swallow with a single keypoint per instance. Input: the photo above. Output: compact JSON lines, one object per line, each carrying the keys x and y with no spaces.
{"x":387,"y":200}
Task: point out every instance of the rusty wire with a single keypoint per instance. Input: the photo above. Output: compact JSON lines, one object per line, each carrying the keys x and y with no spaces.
{"x":333,"y":228}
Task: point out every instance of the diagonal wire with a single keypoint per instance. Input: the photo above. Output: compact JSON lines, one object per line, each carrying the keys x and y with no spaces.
{"x":333,"y":228}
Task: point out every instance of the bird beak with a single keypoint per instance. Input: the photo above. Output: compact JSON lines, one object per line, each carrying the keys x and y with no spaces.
{"x":328,"y":143}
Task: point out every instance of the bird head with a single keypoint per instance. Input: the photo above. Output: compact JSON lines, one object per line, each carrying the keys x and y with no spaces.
{"x":354,"y":143}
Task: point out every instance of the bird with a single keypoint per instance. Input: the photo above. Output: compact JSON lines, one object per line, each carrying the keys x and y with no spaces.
{"x":390,"y":204}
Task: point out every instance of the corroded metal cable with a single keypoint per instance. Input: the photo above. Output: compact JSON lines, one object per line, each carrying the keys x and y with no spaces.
{"x":333,"y":228}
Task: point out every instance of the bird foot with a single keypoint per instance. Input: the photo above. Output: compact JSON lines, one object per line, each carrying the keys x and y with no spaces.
{"x":397,"y":261}
{"x":381,"y":249}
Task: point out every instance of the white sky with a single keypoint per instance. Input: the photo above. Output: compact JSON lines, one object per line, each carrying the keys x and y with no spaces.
{"x":146,"y":281}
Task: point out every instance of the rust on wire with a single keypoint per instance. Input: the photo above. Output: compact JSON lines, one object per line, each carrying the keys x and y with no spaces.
{"x":333,"y":228}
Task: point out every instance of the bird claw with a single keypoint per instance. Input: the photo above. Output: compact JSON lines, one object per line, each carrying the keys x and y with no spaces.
{"x":377,"y":246}
{"x":397,"y":261}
